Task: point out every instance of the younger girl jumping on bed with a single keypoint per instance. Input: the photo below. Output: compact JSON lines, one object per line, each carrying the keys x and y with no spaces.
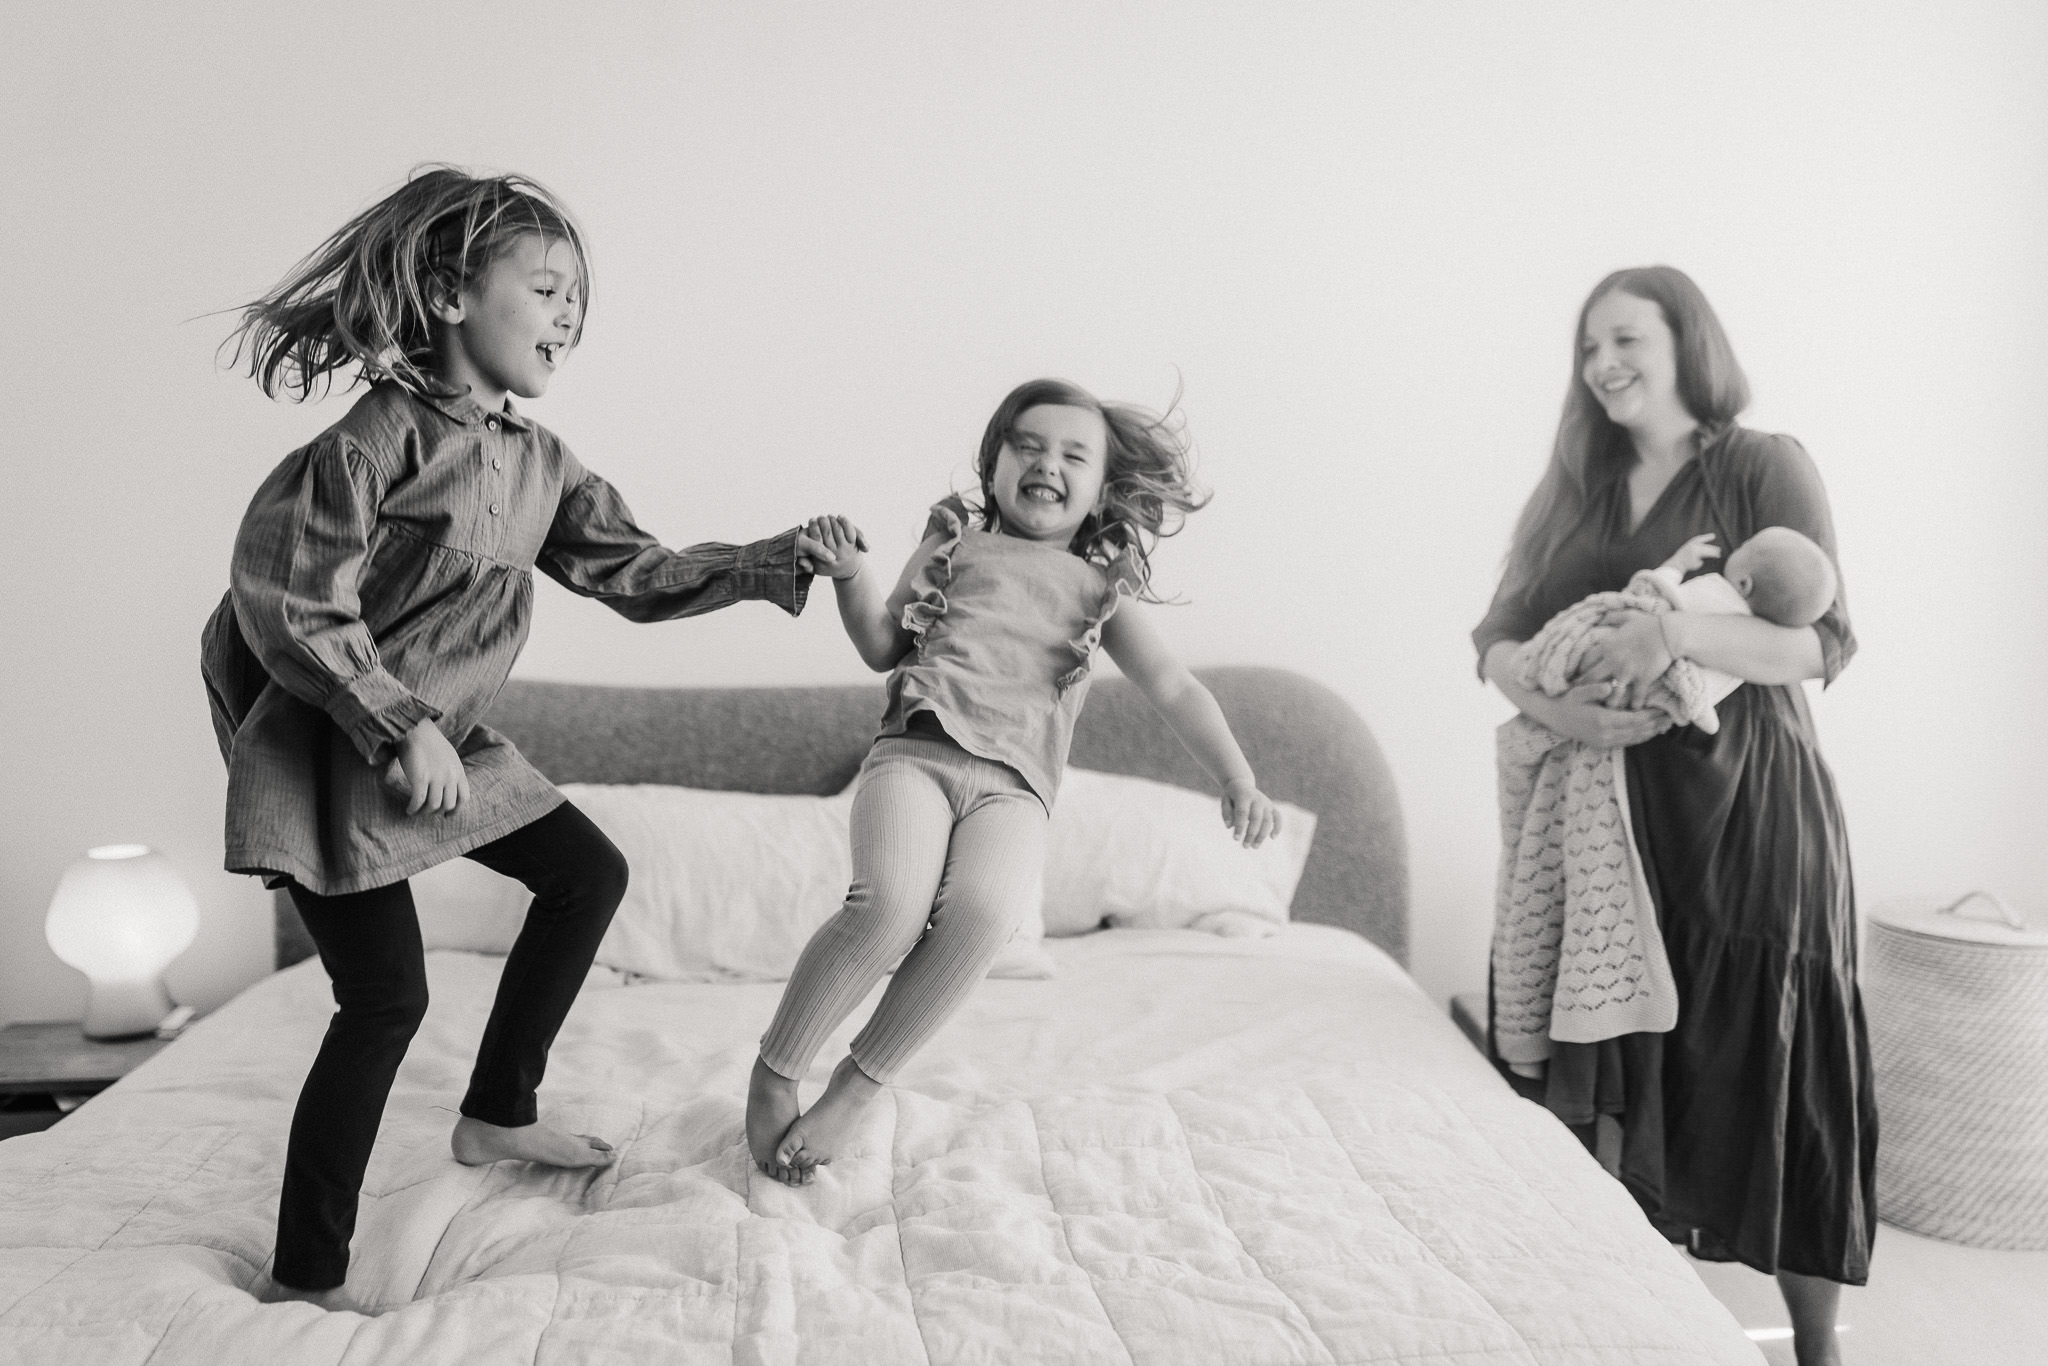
{"x":382,"y":585}
{"x":989,"y":632}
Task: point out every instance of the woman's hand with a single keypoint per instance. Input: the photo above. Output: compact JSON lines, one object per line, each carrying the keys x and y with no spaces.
{"x":1628,"y":651}
{"x":1583,"y":714}
{"x":433,"y":771}
{"x":1250,"y":813}
{"x":831,"y":546}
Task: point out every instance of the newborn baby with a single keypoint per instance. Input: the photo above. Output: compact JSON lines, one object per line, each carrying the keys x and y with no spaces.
{"x":1777,"y":574}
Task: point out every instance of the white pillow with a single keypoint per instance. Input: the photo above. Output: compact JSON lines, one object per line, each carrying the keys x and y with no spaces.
{"x":464,"y":905}
{"x":723,"y":886}
{"x":1133,"y":853}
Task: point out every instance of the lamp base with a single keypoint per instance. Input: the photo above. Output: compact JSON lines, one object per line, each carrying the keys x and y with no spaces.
{"x":119,"y":1010}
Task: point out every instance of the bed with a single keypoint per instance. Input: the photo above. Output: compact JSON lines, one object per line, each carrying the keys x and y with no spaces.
{"x":1180,"y":1147}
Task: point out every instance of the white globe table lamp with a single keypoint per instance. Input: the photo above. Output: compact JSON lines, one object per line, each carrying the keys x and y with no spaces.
{"x":120,"y":915}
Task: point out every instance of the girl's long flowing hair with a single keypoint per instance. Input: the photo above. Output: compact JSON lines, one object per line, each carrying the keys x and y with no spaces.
{"x":363,"y":299}
{"x":1590,"y":452}
{"x":1148,"y":484}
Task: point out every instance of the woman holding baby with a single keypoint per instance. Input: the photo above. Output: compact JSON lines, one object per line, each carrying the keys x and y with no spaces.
{"x":1750,"y":1127}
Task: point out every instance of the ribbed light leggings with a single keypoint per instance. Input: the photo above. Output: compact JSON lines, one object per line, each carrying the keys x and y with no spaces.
{"x":948,"y":853}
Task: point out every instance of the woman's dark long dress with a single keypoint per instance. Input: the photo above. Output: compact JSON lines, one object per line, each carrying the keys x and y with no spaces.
{"x":1753,"y":1119}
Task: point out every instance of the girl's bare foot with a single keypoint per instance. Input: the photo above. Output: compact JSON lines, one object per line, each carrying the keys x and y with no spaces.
{"x":824,"y":1130}
{"x":476,"y":1143}
{"x":270,"y":1290}
{"x":771,"y":1109}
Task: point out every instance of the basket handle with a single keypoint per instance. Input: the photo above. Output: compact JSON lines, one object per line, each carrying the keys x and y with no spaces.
{"x":2005,"y":912}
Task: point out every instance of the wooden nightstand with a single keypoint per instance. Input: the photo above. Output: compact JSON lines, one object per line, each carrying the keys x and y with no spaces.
{"x":46,"y":1069}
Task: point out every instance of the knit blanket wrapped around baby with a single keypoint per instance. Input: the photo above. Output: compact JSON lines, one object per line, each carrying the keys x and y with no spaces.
{"x":1577,"y":956}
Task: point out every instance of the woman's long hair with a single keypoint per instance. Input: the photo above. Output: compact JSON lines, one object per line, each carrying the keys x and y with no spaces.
{"x":1148,"y":479}
{"x":364,"y":297}
{"x":1590,"y":451}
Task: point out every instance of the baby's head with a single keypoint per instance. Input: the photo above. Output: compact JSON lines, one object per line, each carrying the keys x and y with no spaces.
{"x":1057,"y":462}
{"x":1784,"y":575}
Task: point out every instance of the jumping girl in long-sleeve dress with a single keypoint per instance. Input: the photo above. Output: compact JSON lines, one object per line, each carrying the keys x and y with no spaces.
{"x":989,"y":632}
{"x":382,"y":586}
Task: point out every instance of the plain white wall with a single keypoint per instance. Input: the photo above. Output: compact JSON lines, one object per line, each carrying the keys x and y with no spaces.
{"x":829,"y":238}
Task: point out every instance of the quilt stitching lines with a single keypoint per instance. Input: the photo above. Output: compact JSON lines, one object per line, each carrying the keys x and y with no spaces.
{"x":554,"y":1313}
{"x":610,"y":1174}
{"x":896,"y":1222}
{"x":169,"y":1323}
{"x":204,"y":1160}
{"x":1316,"y":1104}
{"x":426,"y":1268}
{"x":1066,"y":1243}
{"x":1564,"y":1215}
{"x":39,"y":1286}
{"x":734,"y":1282}
{"x":1215,"y":1204}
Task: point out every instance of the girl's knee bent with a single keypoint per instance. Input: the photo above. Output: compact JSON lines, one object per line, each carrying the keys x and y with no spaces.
{"x":605,"y":877}
{"x":392,"y":1008}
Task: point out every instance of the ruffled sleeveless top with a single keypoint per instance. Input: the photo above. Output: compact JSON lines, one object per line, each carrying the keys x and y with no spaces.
{"x":1005,"y":632}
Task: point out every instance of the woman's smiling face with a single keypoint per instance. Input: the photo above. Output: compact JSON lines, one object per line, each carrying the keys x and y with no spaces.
{"x":1049,"y":472}
{"x":1628,"y":358}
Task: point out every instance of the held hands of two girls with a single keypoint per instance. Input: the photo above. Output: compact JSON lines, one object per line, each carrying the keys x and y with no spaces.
{"x":832,"y":546}
{"x":427,"y":772}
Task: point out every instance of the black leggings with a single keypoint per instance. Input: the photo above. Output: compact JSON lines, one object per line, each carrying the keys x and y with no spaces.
{"x":369,"y":943}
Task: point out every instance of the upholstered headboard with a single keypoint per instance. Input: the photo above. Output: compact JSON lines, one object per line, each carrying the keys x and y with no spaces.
{"x":1307,"y":746}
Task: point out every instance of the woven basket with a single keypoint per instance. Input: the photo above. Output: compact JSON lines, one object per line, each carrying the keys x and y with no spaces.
{"x":1958,"y":1011}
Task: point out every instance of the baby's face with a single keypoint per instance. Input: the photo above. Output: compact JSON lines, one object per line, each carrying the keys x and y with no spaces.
{"x":1742,"y":566}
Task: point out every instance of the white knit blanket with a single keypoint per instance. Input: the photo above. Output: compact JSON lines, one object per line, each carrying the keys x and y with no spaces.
{"x":1577,"y":956}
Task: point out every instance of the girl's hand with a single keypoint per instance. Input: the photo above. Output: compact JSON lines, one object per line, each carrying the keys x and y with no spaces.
{"x":1584,"y":714}
{"x":831,"y":546}
{"x":1694,"y":553}
{"x":1629,"y":651}
{"x":1250,"y":813}
{"x":433,"y":771}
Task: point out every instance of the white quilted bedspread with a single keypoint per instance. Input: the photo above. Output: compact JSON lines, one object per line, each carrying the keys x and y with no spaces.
{"x":1181,"y":1150}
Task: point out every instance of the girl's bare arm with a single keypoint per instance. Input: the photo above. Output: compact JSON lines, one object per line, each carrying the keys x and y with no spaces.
{"x":1191,"y":710}
{"x":873,"y":619}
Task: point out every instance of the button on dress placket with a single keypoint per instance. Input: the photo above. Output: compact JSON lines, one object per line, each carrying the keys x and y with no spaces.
{"x":491,"y":424}
{"x":494,"y":530}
